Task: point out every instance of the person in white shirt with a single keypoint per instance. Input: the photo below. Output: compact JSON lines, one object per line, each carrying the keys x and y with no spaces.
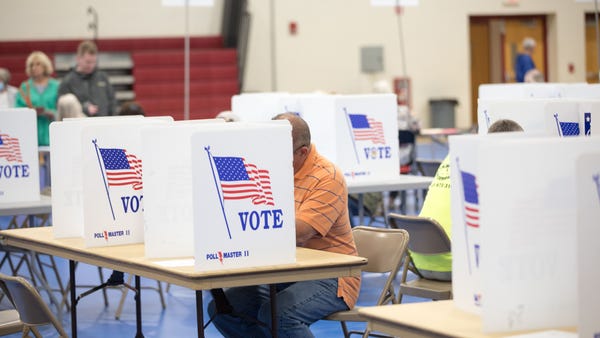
{"x":8,"y":93}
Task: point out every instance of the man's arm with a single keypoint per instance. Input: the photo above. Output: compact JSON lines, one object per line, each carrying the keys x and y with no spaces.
{"x":304,"y":232}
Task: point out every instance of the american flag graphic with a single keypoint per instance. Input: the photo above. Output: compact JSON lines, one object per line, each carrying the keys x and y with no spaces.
{"x":471,"y":199}
{"x":366,"y":128}
{"x":10,"y":148}
{"x":241,"y":180}
{"x":587,"y":123}
{"x":122,"y":168}
{"x":567,"y":128}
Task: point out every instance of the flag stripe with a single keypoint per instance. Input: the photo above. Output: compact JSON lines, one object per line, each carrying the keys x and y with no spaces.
{"x":122,"y":168}
{"x":471,"y":201}
{"x":10,"y":148}
{"x":241,"y":180}
{"x":365,"y":128}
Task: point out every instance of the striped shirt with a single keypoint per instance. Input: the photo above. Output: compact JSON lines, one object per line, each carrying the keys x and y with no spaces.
{"x":321,"y":200}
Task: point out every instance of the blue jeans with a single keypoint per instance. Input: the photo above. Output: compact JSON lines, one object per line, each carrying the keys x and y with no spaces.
{"x":298,"y":306}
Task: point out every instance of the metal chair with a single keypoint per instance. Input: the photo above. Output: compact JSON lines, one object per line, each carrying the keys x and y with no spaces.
{"x":427,"y":167}
{"x":427,"y":237}
{"x":384,"y":248}
{"x":36,"y":264}
{"x":32,"y":309}
{"x":10,"y":322}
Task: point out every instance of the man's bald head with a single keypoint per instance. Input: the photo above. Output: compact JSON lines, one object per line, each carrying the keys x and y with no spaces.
{"x":300,"y":138}
{"x":300,"y":129}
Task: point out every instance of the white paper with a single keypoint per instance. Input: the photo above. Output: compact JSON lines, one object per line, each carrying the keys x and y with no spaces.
{"x":547,"y":334}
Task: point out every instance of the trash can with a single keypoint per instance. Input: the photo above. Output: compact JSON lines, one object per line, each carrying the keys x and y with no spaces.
{"x":442,"y":112}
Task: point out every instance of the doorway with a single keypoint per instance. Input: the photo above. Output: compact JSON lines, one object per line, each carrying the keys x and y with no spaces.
{"x":495,"y":42}
{"x":591,"y":49}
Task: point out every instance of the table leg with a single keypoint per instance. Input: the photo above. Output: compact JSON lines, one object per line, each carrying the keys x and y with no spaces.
{"x":361,"y":210}
{"x":199,"y":314}
{"x":138,"y":308}
{"x":73,"y":299}
{"x":273,"y":294}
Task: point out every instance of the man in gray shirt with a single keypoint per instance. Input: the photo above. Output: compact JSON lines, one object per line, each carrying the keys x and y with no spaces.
{"x":90,"y":85}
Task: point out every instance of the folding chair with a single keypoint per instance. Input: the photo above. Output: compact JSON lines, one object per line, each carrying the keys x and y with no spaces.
{"x":10,"y":322}
{"x":427,"y":237}
{"x":384,"y":248}
{"x":32,"y":309}
{"x":427,"y":167}
{"x":17,"y":258}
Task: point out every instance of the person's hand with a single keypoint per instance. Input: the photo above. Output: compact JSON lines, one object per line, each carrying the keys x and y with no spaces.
{"x":41,"y":111}
{"x":92,"y":109}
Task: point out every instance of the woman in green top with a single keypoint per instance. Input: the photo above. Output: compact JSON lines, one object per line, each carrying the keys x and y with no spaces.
{"x":39,"y":92}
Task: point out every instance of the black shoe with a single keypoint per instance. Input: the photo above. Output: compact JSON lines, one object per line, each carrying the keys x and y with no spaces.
{"x":116,"y":278}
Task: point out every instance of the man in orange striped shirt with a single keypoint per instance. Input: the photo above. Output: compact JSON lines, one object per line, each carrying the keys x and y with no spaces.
{"x":322,"y":223}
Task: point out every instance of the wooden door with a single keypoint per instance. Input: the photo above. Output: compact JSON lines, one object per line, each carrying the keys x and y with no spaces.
{"x":591,"y":50}
{"x":480,"y":60}
{"x":517,"y":29}
{"x":484,"y":30}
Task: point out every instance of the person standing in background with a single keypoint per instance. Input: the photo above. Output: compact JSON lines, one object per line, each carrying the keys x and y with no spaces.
{"x":524,"y":61}
{"x":39,"y":92}
{"x":89,"y":84}
{"x":8,"y":93}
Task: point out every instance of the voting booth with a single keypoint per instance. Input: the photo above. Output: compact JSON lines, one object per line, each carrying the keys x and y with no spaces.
{"x":561,"y":117}
{"x":359,"y":133}
{"x":588,"y":250}
{"x":538,"y":90}
{"x":19,"y":161}
{"x":183,"y":188}
{"x":168,"y":206}
{"x":514,"y":240}
{"x":243,"y":195}
{"x":263,"y":106}
{"x":97,"y":179}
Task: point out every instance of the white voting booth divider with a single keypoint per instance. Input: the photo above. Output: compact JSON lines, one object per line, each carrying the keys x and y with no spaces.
{"x":243,"y":196}
{"x":514,"y":240}
{"x":196,"y":184}
{"x":168,"y":194}
{"x":588,"y":250}
{"x":112,"y":183}
{"x":359,"y":133}
{"x":19,"y":161}
{"x":580,"y":90}
{"x":562,"y":117}
{"x":80,"y":168}
{"x":263,"y":106}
